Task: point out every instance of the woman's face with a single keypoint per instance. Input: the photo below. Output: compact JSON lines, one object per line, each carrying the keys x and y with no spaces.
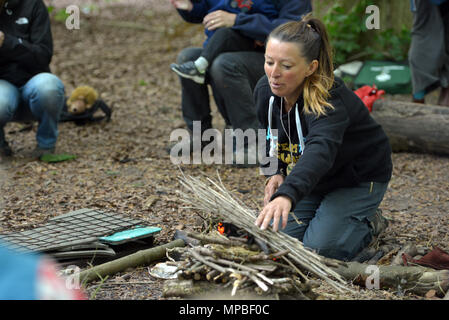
{"x":286,"y":69}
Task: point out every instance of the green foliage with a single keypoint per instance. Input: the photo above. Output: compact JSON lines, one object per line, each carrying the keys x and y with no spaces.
{"x":60,"y":15}
{"x":351,"y":40}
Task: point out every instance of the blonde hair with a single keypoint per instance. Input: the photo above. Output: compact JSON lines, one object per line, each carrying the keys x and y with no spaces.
{"x":311,"y":36}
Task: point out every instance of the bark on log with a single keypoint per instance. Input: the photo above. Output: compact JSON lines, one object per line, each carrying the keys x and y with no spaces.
{"x":142,"y":257}
{"x":414,"y":127}
{"x":207,"y":290}
{"x":418,"y":280}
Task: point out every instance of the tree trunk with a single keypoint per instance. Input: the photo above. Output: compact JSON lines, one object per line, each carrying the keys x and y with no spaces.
{"x":418,"y":280}
{"x":142,"y":257}
{"x":413,"y":127}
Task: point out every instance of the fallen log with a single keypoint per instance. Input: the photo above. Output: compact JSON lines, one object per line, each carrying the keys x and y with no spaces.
{"x":417,"y":280}
{"x":140,"y":258}
{"x":206,"y":290}
{"x":414,"y":127}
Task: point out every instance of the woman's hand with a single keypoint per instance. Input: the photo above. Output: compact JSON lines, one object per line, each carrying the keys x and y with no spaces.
{"x":275,"y":210}
{"x":182,"y":4}
{"x":219,"y":19}
{"x":271,"y":187}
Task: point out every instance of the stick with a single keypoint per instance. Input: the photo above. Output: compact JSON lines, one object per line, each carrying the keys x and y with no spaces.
{"x":142,"y":257}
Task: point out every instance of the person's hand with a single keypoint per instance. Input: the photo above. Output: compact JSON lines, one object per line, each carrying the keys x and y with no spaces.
{"x":271,"y":187}
{"x":2,"y":38}
{"x":274,"y":210}
{"x":219,"y":19}
{"x":182,"y":4}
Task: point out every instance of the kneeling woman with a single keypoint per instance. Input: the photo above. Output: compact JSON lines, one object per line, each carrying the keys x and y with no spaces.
{"x":334,"y":160}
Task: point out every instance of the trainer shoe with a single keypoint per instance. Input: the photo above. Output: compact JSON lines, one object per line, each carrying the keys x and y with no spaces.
{"x":188,"y":70}
{"x":378,"y":223}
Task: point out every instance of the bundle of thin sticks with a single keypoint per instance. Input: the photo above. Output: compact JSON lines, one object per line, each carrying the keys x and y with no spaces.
{"x":246,"y":270}
{"x":212,"y":197}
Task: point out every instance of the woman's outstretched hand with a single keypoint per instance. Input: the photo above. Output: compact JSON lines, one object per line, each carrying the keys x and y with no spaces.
{"x":275,"y":210}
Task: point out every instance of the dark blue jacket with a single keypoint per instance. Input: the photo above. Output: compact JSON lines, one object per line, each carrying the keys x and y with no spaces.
{"x":255,"y":18}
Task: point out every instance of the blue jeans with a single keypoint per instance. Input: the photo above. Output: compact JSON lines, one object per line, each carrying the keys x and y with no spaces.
{"x":41,"y":99}
{"x":337,"y":225}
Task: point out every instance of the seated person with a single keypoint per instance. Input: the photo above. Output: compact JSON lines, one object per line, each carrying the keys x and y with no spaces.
{"x":28,"y":91}
{"x":232,"y":73}
{"x":223,"y":40}
{"x":429,"y":49}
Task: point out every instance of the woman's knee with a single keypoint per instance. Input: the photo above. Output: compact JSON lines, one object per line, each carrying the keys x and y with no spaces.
{"x":347,"y":245}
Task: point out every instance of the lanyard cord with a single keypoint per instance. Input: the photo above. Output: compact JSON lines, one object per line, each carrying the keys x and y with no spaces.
{"x":298,"y":127}
{"x":283,"y":127}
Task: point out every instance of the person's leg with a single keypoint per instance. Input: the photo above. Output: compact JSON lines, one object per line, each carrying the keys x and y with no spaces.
{"x":227,"y":40}
{"x":443,"y":99}
{"x":233,"y":76}
{"x":223,"y":40}
{"x":44,"y":96}
{"x":194,"y":97}
{"x":341,"y":226}
{"x":9,"y":102}
{"x":299,"y":219}
{"x":427,"y":49}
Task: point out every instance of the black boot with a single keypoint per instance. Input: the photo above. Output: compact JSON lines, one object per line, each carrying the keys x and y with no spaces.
{"x":5,"y":150}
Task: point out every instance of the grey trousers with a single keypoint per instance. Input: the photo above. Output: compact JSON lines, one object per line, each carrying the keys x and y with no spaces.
{"x":429,"y":49}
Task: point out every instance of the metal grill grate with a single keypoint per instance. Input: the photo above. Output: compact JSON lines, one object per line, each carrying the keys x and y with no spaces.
{"x":73,"y":228}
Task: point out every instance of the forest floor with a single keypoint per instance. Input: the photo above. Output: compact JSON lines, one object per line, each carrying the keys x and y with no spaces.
{"x":122,"y":166}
